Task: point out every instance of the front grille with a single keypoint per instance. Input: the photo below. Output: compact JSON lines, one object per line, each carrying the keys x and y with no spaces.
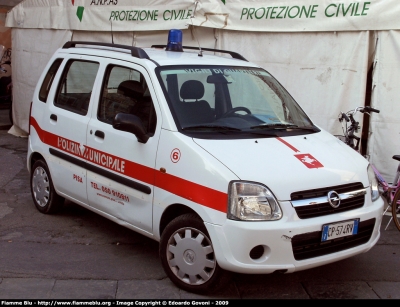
{"x":309,"y":245}
{"x":324,"y":191}
{"x":321,"y":209}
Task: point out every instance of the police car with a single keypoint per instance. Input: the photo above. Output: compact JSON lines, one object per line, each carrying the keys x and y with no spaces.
{"x":207,"y":154}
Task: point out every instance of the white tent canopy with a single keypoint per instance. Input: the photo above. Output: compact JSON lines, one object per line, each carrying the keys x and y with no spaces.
{"x":321,"y":51}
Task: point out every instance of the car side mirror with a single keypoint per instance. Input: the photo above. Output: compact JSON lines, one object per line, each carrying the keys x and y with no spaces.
{"x":132,"y":124}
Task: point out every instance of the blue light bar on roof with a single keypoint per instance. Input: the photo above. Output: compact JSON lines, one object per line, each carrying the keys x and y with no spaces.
{"x":174,"y":40}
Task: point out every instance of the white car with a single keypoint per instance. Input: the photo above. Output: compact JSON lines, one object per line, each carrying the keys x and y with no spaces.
{"x":209,"y":155}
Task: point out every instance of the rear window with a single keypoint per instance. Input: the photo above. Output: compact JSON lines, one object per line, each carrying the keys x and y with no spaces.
{"x":76,"y":86}
{"x":48,"y":80}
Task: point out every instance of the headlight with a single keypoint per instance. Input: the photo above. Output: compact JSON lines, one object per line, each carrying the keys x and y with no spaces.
{"x":250,"y":201}
{"x":373,"y":184}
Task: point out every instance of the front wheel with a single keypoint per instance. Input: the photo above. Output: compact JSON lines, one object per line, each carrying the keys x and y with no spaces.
{"x":396,"y":209}
{"x":187,"y":256}
{"x":43,"y":193}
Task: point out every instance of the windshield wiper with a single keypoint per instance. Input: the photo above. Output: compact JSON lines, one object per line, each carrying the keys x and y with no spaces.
{"x":274,"y":126}
{"x":212,"y":127}
{"x":282,"y":126}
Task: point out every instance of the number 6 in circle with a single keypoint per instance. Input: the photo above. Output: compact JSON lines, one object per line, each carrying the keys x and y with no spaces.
{"x":175,"y":155}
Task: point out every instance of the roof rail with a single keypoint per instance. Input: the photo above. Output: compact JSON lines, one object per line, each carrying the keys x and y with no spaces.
{"x":135,"y":51}
{"x":234,"y":55}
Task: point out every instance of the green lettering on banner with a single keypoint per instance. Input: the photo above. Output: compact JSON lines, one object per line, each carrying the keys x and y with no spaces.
{"x":303,"y":10}
{"x":143,"y":16}
{"x":251,"y":12}
{"x":280,"y":12}
{"x":272,"y":16}
{"x":328,"y":8}
{"x":180,"y":14}
{"x":189,"y":14}
{"x":365,"y":8}
{"x":120,"y":15}
{"x":313,"y":11}
{"x":134,"y":15}
{"x":355,"y":13}
{"x":165,"y":18}
{"x":112,"y":15}
{"x":344,"y":10}
{"x":257,"y":15}
{"x":290,"y":10}
{"x":244,"y":12}
{"x":268,"y":9}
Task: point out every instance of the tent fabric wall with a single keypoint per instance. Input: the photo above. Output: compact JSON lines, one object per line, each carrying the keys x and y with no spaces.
{"x":325,"y":72}
{"x":385,"y":127}
{"x":32,"y":48}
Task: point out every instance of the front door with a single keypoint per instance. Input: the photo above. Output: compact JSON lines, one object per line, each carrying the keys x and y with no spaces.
{"x":121,"y":169}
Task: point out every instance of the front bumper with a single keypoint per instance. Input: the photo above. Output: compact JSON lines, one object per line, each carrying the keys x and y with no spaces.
{"x":234,"y":240}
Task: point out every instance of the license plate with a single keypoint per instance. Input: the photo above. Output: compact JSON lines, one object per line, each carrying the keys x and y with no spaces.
{"x":339,"y":230}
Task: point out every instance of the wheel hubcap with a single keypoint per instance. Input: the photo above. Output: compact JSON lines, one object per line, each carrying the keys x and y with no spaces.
{"x":191,"y":256}
{"x":40,"y":186}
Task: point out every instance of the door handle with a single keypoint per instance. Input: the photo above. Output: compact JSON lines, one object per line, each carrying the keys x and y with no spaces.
{"x":53,"y":117}
{"x":99,"y":134}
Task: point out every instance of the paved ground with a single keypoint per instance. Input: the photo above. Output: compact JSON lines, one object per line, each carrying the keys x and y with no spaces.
{"x":79,"y":255}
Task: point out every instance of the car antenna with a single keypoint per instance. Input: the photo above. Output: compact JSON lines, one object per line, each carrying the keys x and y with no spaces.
{"x":194,"y":29}
{"x":112,"y":35}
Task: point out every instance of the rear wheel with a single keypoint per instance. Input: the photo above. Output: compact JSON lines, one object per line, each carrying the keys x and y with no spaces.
{"x":187,"y":256}
{"x":396,"y":209}
{"x":43,"y":194}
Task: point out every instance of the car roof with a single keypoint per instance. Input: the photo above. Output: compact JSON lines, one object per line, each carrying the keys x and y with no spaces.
{"x":157,"y":54}
{"x":192,"y":57}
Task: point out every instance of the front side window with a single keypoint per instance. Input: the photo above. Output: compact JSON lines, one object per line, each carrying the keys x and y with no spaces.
{"x":76,"y":86}
{"x":235,"y":101}
{"x":125,"y":91}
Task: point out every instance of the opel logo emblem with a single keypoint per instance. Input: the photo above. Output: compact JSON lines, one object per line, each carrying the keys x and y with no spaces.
{"x":333,"y":199}
{"x":189,"y":256}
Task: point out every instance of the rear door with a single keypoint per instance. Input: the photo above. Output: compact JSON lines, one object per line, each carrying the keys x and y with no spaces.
{"x":121,"y":169}
{"x":64,"y":123}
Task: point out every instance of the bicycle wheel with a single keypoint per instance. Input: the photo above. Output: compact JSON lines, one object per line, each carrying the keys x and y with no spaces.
{"x":396,"y":209}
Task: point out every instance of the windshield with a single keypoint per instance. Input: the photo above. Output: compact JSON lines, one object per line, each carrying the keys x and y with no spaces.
{"x":232,"y":101}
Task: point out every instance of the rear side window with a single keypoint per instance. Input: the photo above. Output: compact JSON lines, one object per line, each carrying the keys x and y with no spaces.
{"x":76,"y":86}
{"x":48,"y":80}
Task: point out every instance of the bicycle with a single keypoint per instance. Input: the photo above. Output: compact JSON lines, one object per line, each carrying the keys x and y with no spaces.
{"x":390,"y":191}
